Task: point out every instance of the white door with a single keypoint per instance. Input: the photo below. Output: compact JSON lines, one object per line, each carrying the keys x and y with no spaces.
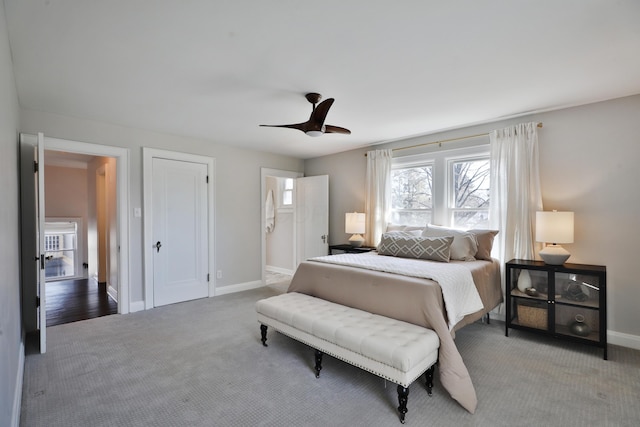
{"x":180,"y":231}
{"x":312,"y":216}
{"x":33,"y":215}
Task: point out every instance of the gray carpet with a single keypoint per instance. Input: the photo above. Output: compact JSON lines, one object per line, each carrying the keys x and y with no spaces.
{"x":201,"y":363}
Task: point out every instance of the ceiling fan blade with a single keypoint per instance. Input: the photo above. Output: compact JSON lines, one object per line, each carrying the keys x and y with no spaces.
{"x":299,"y":126}
{"x":336,"y":129}
{"x":319,"y":113}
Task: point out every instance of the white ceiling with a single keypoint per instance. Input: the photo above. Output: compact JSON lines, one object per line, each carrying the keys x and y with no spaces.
{"x":217,"y":69}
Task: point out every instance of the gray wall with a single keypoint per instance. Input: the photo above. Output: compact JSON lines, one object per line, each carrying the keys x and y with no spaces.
{"x":588,"y":164}
{"x":11,"y":342}
{"x":238,"y":201}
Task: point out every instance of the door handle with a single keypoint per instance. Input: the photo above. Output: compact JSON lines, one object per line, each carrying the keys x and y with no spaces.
{"x":158,"y":245}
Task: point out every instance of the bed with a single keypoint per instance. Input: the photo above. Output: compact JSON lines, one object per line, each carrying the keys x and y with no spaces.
{"x":379,"y":284}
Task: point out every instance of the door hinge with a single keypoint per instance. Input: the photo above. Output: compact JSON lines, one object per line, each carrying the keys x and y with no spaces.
{"x":207,"y":277}
{"x":37,"y":301}
{"x":35,"y":166}
{"x":207,"y":179}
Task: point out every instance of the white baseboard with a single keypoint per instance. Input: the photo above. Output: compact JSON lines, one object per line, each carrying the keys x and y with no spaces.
{"x":613,"y":337}
{"x":279,"y":270}
{"x":17,"y":397}
{"x":223,"y":290}
{"x":112,"y":292}
{"x":623,"y":340}
{"x":136,"y":306}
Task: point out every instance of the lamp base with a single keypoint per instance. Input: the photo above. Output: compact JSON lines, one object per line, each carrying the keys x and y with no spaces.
{"x":356,"y":240}
{"x":554,"y":255}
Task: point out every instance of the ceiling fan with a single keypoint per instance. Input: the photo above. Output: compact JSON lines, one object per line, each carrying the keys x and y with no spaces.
{"x":315,"y":125}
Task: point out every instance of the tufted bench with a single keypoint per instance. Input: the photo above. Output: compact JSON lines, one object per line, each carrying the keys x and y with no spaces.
{"x":397,"y":351}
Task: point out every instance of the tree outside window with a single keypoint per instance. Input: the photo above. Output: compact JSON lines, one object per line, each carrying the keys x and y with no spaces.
{"x":411,"y":200}
{"x":442,"y":189}
{"x":470,"y":194}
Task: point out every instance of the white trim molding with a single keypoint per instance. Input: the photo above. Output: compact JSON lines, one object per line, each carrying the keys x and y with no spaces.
{"x":17,"y":396}
{"x":623,"y":340}
{"x":230,"y":289}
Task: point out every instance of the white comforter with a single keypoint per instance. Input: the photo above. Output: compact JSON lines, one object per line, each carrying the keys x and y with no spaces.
{"x":458,"y":290}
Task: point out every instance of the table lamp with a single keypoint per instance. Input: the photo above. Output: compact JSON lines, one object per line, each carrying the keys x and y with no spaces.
{"x":554,"y":227}
{"x":354,"y":225}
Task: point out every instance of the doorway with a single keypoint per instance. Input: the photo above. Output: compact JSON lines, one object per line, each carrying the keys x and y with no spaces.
{"x":33,"y":224}
{"x":278,"y":221}
{"x":81,"y":251}
{"x":305,"y":220}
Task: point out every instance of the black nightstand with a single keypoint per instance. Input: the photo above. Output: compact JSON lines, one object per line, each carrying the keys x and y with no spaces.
{"x":349,"y":249}
{"x":566,"y":301}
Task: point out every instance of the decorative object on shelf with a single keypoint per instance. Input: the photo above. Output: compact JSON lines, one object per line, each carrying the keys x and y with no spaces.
{"x":354,"y":224}
{"x":532,"y":314}
{"x":574,"y":293}
{"x":578,"y":327}
{"x":524,"y":280}
{"x":554,"y":227}
{"x":532,"y":292}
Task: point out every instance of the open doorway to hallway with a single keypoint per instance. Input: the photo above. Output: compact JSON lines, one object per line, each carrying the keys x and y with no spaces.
{"x":81,"y":267}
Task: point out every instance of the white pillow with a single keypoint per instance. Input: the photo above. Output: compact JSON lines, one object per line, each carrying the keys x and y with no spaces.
{"x":464,"y":246}
{"x":412,"y":229}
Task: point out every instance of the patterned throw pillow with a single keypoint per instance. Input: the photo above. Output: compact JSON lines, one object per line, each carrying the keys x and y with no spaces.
{"x":409,"y":246}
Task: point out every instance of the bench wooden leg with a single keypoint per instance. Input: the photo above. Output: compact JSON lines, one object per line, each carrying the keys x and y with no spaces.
{"x":263,"y":334}
{"x":403,"y":397}
{"x":428,"y":375}
{"x":318,"y":363}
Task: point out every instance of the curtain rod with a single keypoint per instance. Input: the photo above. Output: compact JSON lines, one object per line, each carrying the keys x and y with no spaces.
{"x":444,"y":140}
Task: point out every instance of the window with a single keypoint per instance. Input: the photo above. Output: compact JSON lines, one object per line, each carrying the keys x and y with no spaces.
{"x":287,"y":192}
{"x":448,"y":188}
{"x":411,"y":199}
{"x":469,"y":207}
{"x":61,"y":247}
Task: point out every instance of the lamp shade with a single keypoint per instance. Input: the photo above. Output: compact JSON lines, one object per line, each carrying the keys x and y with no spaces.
{"x":554,"y":227}
{"x":354,"y":223}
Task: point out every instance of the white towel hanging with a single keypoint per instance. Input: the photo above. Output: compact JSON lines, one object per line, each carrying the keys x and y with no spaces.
{"x":269,"y":213}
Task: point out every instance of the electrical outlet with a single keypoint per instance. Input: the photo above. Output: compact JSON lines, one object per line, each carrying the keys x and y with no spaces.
{"x":219,"y":274}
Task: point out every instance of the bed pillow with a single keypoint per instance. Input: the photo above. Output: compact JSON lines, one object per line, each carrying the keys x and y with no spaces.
{"x":464,"y":246}
{"x":485,"y":243}
{"x":404,"y":245}
{"x":412,"y":229}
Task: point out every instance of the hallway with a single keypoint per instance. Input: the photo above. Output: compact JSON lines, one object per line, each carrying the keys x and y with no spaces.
{"x":72,"y":300}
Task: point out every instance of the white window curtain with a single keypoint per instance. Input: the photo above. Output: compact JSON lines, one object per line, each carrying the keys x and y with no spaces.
{"x":378,"y":195}
{"x":515,"y":190}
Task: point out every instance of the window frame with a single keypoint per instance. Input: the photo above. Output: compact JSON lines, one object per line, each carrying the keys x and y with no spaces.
{"x":77,"y":250}
{"x":451,"y":196}
{"x":282,"y":189}
{"x":442,"y":175}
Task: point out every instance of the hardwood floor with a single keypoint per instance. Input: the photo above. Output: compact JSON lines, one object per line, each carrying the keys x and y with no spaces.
{"x":72,"y":300}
